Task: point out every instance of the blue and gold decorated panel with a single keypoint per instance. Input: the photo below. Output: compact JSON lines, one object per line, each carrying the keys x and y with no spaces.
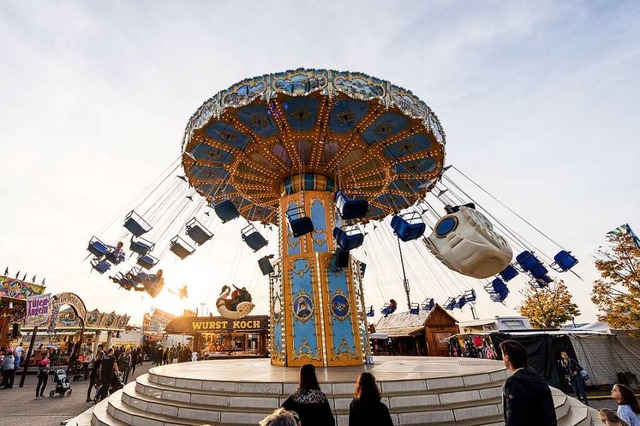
{"x":258,"y":118}
{"x":302,"y":113}
{"x":385,"y":126}
{"x":346,"y":115}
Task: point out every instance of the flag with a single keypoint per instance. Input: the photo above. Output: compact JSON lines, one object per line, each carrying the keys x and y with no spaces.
{"x":626,"y":230}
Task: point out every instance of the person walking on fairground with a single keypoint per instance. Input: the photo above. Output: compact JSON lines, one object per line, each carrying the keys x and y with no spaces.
{"x":628,"y":407}
{"x":43,"y":375}
{"x":610,"y":418}
{"x":8,"y":369}
{"x":526,"y":397}
{"x":309,"y":401}
{"x":93,"y":375}
{"x":573,"y":375}
{"x":367,"y":408}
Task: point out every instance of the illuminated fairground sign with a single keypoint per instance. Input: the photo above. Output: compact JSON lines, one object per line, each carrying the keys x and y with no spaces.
{"x":14,"y":288}
{"x":192,"y":325}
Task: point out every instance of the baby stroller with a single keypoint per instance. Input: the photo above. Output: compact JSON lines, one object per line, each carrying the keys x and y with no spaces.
{"x":62,"y":383}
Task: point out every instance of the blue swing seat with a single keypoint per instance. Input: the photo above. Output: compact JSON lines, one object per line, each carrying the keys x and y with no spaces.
{"x":342,"y":258}
{"x":370,"y":312}
{"x":460,"y":302}
{"x":299,"y":223}
{"x":113,"y":257}
{"x":388,"y":309}
{"x":97,"y":247}
{"x":253,"y":238}
{"x":265,"y":265}
{"x":136,"y":224}
{"x":141,"y":246}
{"x":414,"y":309}
{"x":197,"y":232}
{"x":564,"y":261}
{"x":408,"y":226}
{"x":226,"y":210}
{"x":497,"y":290}
{"x":527,"y":260}
{"x":137,"y":275}
{"x":350,"y":209}
{"x":538,"y":271}
{"x":450,"y":304}
{"x":348,"y":238}
{"x":508,"y":273}
{"x":428,"y":304}
{"x":180,"y":247}
{"x":147,"y":261}
{"x":470,"y":295}
{"x":100,"y":266}
{"x":123,"y":281}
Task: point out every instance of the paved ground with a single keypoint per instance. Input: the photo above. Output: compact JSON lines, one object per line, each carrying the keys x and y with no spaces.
{"x":18,"y":406}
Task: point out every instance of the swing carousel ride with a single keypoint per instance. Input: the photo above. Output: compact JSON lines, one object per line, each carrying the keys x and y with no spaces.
{"x":348,"y":168}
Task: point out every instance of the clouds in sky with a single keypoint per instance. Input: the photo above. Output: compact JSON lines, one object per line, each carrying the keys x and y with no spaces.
{"x":539,"y":101}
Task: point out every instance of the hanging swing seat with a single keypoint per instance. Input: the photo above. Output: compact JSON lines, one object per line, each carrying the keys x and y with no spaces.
{"x":538,"y":271}
{"x":197,"y":232}
{"x":363,"y":268}
{"x":349,"y":238}
{"x":450,"y":304}
{"x":414,"y":309}
{"x":470,"y":295}
{"x":97,"y":247}
{"x":370,"y":312}
{"x":226,"y":210}
{"x":541,"y":282}
{"x":497,"y":290}
{"x":100,"y":266}
{"x":527,"y":260}
{"x":265,"y":265}
{"x":180,"y":247}
{"x":299,"y":223}
{"x":508,"y":273}
{"x":428,"y":304}
{"x":408,"y":226}
{"x":460,"y":302}
{"x":114,"y":255}
{"x":141,"y":246}
{"x":123,"y":281}
{"x":388,"y":309}
{"x":564,"y":261}
{"x":349,"y":208}
{"x":136,"y":224}
{"x":342,"y":258}
{"x":137,"y":275}
{"x":147,"y":261}
{"x":253,"y":238}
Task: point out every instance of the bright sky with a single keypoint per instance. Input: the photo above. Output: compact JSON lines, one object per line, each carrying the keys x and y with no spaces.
{"x":539,"y":101}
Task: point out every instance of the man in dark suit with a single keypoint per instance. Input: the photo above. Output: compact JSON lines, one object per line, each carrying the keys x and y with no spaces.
{"x":526,"y":397}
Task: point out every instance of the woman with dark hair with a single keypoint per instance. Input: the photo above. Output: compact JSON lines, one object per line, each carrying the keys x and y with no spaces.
{"x":309,"y":401}
{"x":367,"y":408}
{"x":628,"y":407}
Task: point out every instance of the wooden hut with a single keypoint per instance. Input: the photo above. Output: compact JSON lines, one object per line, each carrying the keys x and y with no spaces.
{"x":422,"y":334}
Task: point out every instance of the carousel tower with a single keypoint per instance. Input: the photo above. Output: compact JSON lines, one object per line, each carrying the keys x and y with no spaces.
{"x":317,"y":153}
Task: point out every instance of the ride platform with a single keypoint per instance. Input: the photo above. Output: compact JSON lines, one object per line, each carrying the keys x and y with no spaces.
{"x":417,"y":390}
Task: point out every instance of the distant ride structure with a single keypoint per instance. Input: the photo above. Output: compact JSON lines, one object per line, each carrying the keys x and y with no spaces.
{"x":317,"y":153}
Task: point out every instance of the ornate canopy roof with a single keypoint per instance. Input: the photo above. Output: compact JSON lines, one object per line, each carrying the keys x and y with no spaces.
{"x":371,"y":138}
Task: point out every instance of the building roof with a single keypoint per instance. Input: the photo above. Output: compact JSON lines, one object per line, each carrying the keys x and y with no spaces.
{"x":407,"y":320}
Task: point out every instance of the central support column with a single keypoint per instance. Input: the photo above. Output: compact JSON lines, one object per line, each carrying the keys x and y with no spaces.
{"x":314,"y":303}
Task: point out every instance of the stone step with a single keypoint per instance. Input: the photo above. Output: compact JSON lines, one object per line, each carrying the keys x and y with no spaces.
{"x":397,"y":400}
{"x":100,"y":416}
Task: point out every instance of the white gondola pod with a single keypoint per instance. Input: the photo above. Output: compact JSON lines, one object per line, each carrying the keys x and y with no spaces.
{"x":465,"y":242}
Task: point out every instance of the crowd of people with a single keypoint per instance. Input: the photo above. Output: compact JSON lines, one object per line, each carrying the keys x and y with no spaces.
{"x":163,"y":355}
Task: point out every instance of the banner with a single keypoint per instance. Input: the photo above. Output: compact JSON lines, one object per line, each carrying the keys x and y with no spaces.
{"x":38,"y":310}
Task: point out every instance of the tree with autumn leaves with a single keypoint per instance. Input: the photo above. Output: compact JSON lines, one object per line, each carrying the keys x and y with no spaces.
{"x":617,"y":293}
{"x":548,"y":307}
